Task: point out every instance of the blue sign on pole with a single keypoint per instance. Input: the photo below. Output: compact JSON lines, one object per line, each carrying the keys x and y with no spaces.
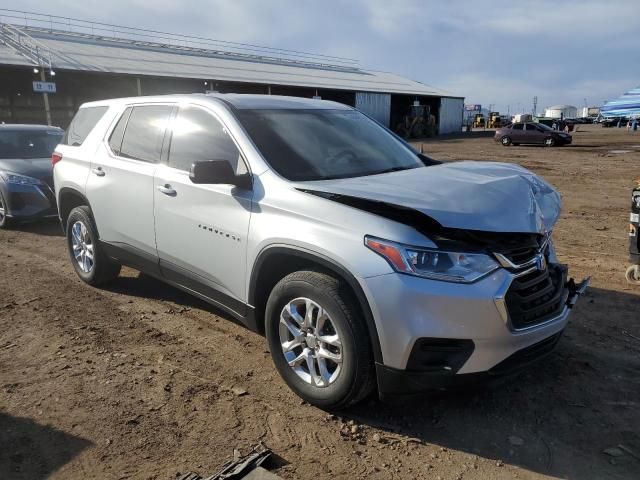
{"x":44,"y":87}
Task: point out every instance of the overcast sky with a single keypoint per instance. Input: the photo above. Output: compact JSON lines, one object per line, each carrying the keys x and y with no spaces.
{"x":491,"y":52}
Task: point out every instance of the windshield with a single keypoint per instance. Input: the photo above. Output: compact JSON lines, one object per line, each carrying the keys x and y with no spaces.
{"x":28,"y":143}
{"x":307,"y":145}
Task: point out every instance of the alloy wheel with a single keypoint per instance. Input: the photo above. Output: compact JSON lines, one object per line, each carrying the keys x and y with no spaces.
{"x":2,"y":210}
{"x":310,"y":342}
{"x":82,"y":246}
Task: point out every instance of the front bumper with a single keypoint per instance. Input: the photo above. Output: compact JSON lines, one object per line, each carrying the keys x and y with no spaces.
{"x":30,"y":202}
{"x":469,"y":323}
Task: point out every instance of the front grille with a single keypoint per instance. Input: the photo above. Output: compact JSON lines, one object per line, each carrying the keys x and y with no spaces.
{"x":525,"y":250}
{"x":520,"y":255}
{"x":537,"y":296}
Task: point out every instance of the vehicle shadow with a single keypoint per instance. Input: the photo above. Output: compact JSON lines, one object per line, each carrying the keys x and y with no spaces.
{"x":32,"y":451}
{"x":146,"y":286}
{"x":47,"y":228}
{"x":555,"y":418}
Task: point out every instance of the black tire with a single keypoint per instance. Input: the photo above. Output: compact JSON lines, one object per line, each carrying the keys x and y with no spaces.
{"x":103,"y":269}
{"x":549,"y":142}
{"x":356,"y":379}
{"x":5,"y":222}
{"x":505,"y":141}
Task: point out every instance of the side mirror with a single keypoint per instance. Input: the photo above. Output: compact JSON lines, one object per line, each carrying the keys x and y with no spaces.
{"x":218,"y":172}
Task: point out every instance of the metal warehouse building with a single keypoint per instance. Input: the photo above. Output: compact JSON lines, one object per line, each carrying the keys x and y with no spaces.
{"x":91,"y":61}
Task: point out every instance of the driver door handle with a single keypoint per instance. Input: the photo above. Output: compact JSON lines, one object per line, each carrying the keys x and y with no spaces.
{"x":99,"y":171}
{"x":167,"y":190}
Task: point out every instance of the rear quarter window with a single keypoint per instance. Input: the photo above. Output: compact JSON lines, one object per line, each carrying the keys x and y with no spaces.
{"x":82,"y":124}
{"x":115,"y":139}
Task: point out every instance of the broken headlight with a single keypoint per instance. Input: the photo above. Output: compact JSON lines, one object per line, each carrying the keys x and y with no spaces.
{"x":456,"y":267}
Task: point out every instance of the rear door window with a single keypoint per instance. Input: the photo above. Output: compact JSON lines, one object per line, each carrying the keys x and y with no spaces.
{"x":531,"y":127}
{"x":517,"y":126}
{"x":82,"y":124}
{"x":144,"y":132}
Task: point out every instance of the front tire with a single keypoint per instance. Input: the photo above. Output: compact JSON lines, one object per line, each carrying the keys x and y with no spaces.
{"x":90,"y":262}
{"x":5,"y":222}
{"x":506,"y":141}
{"x":549,"y":142}
{"x":318,"y":341}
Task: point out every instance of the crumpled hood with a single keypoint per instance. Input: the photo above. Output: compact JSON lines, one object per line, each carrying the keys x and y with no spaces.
{"x":485,"y":196}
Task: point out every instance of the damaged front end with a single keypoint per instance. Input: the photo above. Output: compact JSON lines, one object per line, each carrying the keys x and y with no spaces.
{"x":538,"y":290}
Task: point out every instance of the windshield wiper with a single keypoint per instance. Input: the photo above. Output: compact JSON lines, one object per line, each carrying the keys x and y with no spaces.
{"x":389,"y":170}
{"x":356,"y":175}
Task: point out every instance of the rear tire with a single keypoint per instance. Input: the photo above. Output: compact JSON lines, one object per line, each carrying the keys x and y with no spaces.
{"x":296,"y":339}
{"x":90,"y":262}
{"x":506,"y":141}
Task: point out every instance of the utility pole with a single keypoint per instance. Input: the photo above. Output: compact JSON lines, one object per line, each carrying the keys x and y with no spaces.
{"x":535,"y":105}
{"x":45,"y":96}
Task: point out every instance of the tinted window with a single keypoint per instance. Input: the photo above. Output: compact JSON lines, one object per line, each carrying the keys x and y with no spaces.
{"x":145,"y":132}
{"x":530,"y":126}
{"x":115,"y":140}
{"x":82,"y":124}
{"x":517,"y":126}
{"x":28,"y":143}
{"x":198,"y":136}
{"x":322,"y":144}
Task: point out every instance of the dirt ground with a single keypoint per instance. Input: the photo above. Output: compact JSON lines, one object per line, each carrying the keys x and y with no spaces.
{"x":141,"y":381}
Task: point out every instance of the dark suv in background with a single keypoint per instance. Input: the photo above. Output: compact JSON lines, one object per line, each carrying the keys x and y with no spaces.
{"x":532,"y":133}
{"x":26,"y":174}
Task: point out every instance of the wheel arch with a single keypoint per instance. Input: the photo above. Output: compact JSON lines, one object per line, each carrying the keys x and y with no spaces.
{"x":68,"y":199}
{"x":275,"y":262}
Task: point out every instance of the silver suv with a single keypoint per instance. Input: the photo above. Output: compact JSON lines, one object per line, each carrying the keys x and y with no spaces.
{"x":366,"y":264}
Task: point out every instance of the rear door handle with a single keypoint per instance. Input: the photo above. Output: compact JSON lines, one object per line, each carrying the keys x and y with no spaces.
{"x":167,"y":190}
{"x":99,"y":171}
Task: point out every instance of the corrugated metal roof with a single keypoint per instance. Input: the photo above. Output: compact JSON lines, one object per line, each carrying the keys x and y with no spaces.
{"x":99,"y":54}
{"x":9,"y":57}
